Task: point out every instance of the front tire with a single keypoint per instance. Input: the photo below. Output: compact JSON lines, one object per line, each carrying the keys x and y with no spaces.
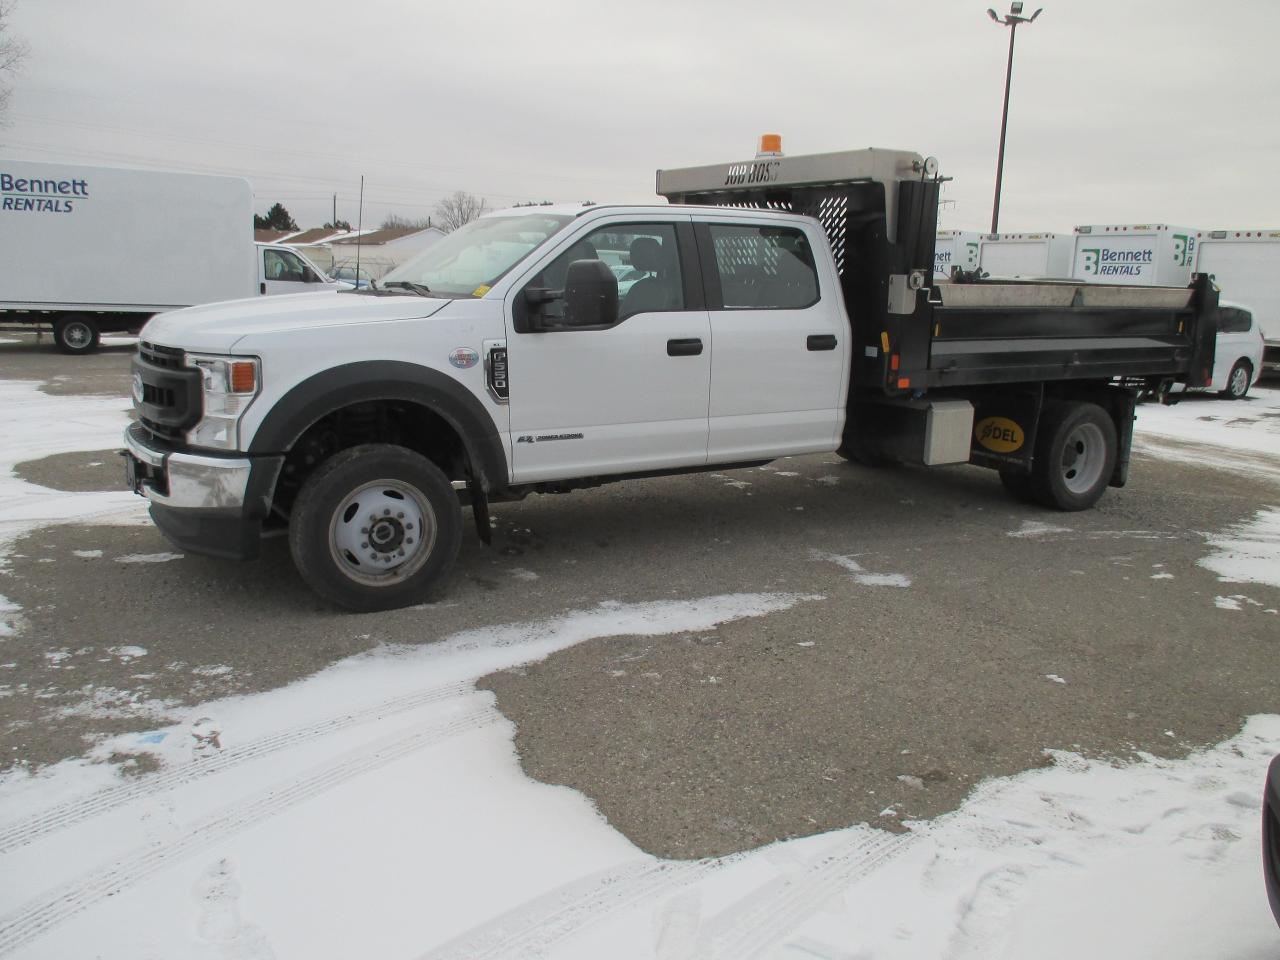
{"x":374,"y":527}
{"x":1075,"y":456}
{"x":1238,"y":381}
{"x":75,"y":334}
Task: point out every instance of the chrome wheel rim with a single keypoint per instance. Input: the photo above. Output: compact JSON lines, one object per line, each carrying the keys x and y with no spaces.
{"x":382,"y":532}
{"x":1083,"y":458}
{"x":1239,"y":381}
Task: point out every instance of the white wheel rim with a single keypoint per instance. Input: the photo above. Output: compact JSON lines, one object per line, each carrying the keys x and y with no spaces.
{"x":1083,"y":457}
{"x":382,"y":533}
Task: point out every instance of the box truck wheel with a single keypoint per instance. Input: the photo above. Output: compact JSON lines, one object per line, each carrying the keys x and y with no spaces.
{"x":1075,"y":455}
{"x":1238,"y":380}
{"x":374,"y":527}
{"x":75,"y":334}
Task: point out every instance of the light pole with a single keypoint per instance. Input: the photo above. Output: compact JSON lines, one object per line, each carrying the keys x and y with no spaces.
{"x":1010,"y":20}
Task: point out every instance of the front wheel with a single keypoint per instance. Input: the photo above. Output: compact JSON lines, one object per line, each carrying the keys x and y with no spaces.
{"x":75,"y":334}
{"x":374,"y":527}
{"x":1075,"y":456}
{"x":1238,"y":380}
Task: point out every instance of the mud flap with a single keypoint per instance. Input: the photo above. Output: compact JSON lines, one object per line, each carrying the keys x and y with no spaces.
{"x":480,"y":511}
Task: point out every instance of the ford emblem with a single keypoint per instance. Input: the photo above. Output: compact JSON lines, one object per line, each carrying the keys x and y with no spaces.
{"x":464,"y":358}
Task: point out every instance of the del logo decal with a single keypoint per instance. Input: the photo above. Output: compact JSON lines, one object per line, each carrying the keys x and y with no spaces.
{"x":464,"y":357}
{"x":998,"y":434}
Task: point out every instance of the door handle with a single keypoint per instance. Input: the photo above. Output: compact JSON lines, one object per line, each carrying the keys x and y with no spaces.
{"x":262,"y":288}
{"x":691,"y":347}
{"x":821,"y":341}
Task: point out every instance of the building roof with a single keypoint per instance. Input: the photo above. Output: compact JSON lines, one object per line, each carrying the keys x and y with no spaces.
{"x":314,"y":235}
{"x":375,"y":237}
{"x":269,"y":236}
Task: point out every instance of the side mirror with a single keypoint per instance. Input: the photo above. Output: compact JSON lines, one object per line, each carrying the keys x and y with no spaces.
{"x":590,"y":295}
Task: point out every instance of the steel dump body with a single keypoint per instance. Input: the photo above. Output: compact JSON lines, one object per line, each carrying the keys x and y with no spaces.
{"x":879,"y":211}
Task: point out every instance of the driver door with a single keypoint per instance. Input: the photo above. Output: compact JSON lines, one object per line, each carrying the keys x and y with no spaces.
{"x":283,"y":272}
{"x":626,"y":399}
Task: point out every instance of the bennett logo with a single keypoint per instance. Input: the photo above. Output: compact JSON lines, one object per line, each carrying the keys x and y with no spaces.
{"x":1183,"y":247}
{"x":998,"y":434}
{"x":40,"y":196}
{"x":1104,"y":262}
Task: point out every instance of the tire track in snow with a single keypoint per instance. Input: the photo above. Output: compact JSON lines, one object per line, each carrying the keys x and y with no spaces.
{"x":747,"y":928}
{"x":761,"y":920}
{"x":22,"y":832}
{"x":58,"y":904}
{"x":532,"y":928}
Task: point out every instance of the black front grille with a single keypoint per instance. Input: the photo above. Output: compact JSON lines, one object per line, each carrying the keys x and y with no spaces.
{"x":166,"y":358}
{"x":170,"y":402}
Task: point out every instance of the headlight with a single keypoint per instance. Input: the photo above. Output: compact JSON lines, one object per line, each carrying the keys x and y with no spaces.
{"x":228,"y":386}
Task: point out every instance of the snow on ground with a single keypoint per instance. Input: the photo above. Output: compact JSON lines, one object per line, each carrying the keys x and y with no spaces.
{"x":378,"y":809}
{"x":1236,"y":434}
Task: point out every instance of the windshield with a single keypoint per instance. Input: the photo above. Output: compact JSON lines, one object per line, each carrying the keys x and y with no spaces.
{"x":472,"y":258}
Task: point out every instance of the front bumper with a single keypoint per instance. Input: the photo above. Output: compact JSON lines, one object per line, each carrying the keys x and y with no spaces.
{"x":1271,"y":836}
{"x":203,"y":503}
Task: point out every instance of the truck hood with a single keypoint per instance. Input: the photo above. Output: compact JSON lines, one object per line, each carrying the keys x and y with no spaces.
{"x":217,"y":327}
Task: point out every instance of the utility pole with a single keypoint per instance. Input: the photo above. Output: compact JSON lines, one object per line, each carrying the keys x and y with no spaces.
{"x":334,"y":221}
{"x":1010,"y":20}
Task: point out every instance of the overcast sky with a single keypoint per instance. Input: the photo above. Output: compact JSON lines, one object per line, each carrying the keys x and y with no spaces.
{"x":1122,"y":110}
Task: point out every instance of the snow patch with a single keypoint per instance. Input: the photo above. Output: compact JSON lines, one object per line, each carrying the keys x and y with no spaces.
{"x":860,"y":575}
{"x":149,"y":557}
{"x":1249,"y":552}
{"x":1036,"y":528}
{"x":88,"y":554}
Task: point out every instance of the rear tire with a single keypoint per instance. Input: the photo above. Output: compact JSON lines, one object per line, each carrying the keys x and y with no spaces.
{"x":375,"y":527}
{"x":75,"y":334}
{"x":1238,"y":381}
{"x":1075,"y":456}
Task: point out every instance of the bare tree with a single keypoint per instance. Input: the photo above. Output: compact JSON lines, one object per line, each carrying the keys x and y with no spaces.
{"x":12,"y":52}
{"x":393,"y":220}
{"x":458,"y":209}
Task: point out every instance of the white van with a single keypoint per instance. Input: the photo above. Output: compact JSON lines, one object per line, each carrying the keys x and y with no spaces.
{"x":1245,"y":265}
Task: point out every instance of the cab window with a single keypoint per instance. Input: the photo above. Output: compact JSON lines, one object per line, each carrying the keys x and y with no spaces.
{"x":764,"y":268}
{"x":282,"y":265}
{"x":642,"y":256}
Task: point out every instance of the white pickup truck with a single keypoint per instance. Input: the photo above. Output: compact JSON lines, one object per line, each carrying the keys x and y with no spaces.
{"x":549,"y":348}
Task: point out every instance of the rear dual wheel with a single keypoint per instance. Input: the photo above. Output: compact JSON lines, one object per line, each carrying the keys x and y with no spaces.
{"x":1075,"y":456}
{"x":374,"y":527}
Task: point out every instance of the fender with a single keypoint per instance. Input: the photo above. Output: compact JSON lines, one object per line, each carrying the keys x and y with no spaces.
{"x":352,"y":383}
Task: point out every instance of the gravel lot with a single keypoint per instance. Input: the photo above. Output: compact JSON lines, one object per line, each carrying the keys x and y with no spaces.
{"x":951,"y":634}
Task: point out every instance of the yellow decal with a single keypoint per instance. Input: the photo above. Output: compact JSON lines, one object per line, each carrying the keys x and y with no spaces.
{"x":999,"y":434}
{"x":481,"y":290}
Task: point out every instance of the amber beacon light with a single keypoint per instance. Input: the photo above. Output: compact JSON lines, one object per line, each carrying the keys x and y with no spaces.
{"x":770,"y":145}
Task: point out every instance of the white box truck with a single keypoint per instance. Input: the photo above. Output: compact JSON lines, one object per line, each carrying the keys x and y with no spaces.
{"x":1245,"y":264}
{"x":1143,"y":255}
{"x":1015,"y":255}
{"x":93,"y":249}
{"x":954,"y":250}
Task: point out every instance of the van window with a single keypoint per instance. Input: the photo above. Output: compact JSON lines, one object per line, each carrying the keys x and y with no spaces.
{"x":1231,"y":320}
{"x":764,"y":268}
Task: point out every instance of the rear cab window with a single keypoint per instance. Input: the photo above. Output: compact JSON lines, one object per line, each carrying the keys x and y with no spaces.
{"x":762,"y":267}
